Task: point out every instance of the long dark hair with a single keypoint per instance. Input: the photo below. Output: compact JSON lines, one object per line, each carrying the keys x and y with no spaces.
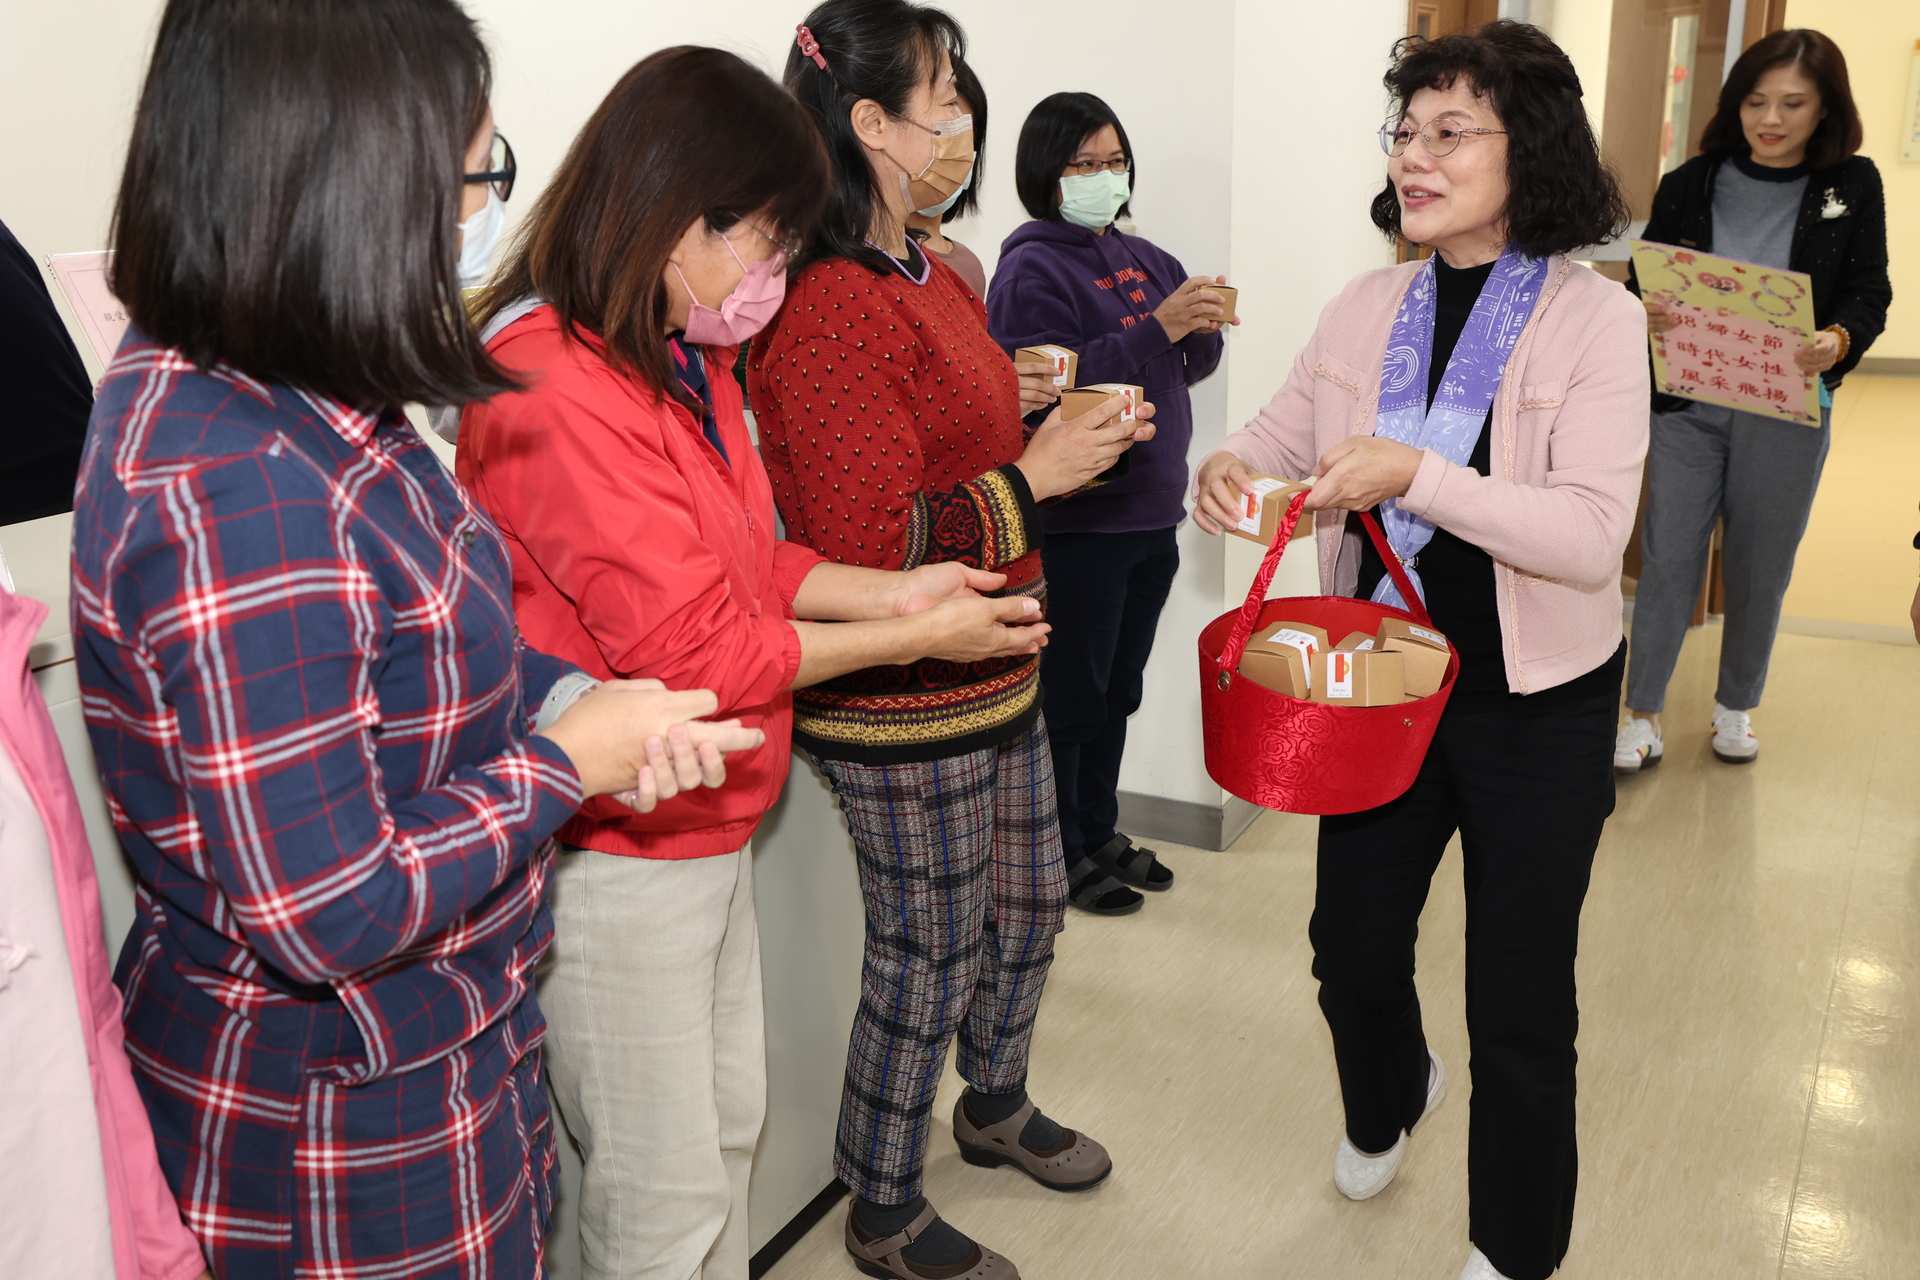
{"x":1561,"y":194}
{"x":687,"y":133}
{"x":974,"y":96}
{"x":1054,"y":130}
{"x":292,"y":190}
{"x":878,"y":49}
{"x":1839,"y":133}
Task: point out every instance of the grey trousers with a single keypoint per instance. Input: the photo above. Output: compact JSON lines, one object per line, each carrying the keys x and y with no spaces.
{"x":1705,"y":464}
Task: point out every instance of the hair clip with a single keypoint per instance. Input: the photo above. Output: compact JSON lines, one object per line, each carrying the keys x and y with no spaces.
{"x":810,"y":47}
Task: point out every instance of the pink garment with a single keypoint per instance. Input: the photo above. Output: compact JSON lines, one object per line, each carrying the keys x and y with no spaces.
{"x":1569,"y":435}
{"x":965,"y":263}
{"x":149,"y":1240}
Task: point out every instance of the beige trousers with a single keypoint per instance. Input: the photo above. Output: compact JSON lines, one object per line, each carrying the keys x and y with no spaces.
{"x":657,"y":1048}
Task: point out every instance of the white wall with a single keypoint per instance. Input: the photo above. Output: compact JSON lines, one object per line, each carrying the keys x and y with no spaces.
{"x":1304,"y":165}
{"x":69,"y":77}
{"x":1878,"y":38}
{"x":1584,"y":30}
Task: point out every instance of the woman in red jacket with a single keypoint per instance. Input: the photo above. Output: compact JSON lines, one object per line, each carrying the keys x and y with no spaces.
{"x":892,"y":427}
{"x":642,"y":533}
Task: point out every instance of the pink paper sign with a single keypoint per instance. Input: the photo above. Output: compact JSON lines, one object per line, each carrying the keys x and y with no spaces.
{"x":82,"y":278}
{"x":1737,"y":327}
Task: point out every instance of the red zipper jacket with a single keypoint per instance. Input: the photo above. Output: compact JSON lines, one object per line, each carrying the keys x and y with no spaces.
{"x":639,"y":551}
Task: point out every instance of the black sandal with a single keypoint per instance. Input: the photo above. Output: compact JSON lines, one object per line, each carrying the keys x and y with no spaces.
{"x":1091,"y":887}
{"x":1131,"y":864}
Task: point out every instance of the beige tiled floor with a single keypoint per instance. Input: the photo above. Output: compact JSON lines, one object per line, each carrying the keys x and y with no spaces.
{"x":1857,"y":562}
{"x":1750,"y":1078}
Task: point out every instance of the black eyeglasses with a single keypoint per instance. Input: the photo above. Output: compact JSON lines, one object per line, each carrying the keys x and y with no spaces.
{"x":1087,"y":168}
{"x":501,"y":169}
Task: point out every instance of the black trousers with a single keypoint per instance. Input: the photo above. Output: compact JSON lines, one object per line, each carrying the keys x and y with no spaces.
{"x":1104,"y":595}
{"x":1528,"y":790}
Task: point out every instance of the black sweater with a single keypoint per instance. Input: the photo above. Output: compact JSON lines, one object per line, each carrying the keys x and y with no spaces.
{"x":1456,"y":575}
{"x":1846,"y":256}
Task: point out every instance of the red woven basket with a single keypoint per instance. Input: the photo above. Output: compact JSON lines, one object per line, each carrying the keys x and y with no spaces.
{"x":1308,"y":757}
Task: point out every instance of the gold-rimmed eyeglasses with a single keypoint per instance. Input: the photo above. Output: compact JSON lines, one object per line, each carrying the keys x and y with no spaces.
{"x":788,"y":249}
{"x":1439,"y":137}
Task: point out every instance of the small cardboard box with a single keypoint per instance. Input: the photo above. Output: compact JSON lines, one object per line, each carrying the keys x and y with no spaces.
{"x":1086,"y":399}
{"x":1279,"y":669}
{"x":1065,"y":363}
{"x":1426,"y":653}
{"x":1359,"y":678}
{"x":1264,"y":508}
{"x":1356,"y":640}
{"x":1281,"y":657}
{"x":1229,"y":301}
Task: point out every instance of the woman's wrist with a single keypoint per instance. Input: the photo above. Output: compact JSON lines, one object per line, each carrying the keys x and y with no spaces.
{"x":1033,"y":473}
{"x":566,"y":691}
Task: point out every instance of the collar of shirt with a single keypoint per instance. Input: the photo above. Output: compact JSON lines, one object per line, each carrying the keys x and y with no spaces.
{"x":915,"y":268}
{"x":355,"y":426}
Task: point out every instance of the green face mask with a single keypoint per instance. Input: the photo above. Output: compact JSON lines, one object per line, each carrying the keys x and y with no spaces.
{"x":1093,"y":200}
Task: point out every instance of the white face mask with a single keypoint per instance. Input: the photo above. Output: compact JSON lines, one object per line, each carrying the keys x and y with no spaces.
{"x":479,"y":237}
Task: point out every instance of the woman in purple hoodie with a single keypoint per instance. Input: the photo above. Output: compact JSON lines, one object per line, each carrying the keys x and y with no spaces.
{"x":1070,"y":278}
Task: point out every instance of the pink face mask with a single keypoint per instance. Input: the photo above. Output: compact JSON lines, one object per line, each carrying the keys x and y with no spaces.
{"x":746,"y":311}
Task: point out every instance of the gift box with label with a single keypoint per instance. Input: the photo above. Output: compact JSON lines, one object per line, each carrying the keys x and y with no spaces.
{"x":1065,"y":363}
{"x":1082,"y":400}
{"x":1359,"y":678}
{"x":1426,"y":652}
{"x":1281,"y":657}
{"x":1264,"y":508}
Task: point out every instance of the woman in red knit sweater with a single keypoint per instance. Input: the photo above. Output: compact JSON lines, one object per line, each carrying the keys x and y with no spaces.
{"x":641,"y":529}
{"x":891,"y":427}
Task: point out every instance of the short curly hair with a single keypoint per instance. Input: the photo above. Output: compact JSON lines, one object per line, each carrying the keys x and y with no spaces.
{"x":1561,"y":194}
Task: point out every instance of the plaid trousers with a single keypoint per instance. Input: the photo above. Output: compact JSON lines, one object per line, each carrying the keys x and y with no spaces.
{"x":961,"y":875}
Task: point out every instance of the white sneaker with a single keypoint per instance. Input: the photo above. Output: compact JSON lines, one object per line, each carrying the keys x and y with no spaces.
{"x":1478,"y":1268}
{"x":1361,"y":1176}
{"x":1733,"y":740}
{"x":1637,"y":747}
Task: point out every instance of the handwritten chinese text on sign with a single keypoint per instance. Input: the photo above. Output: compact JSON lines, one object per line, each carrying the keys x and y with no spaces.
{"x":1739,"y":324}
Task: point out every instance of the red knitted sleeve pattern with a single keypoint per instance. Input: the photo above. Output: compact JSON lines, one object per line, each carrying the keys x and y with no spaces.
{"x":862,"y":439}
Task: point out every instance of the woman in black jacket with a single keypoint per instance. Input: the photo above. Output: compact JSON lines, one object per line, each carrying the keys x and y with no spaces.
{"x":1777,"y":182}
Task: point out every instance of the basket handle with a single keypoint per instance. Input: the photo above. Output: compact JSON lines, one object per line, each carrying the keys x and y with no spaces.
{"x":1243,"y":626}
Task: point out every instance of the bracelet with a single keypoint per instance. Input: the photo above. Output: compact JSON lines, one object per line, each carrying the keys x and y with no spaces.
{"x":1846,"y":340}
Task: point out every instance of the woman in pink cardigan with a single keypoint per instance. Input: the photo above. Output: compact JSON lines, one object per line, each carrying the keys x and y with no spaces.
{"x":1489,"y":404}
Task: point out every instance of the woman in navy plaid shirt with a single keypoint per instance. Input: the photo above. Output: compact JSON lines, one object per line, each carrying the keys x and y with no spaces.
{"x":331,"y":760}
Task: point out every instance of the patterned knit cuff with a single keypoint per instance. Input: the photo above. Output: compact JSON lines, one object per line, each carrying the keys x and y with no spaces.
{"x":990,"y":521}
{"x":1033,"y":533}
